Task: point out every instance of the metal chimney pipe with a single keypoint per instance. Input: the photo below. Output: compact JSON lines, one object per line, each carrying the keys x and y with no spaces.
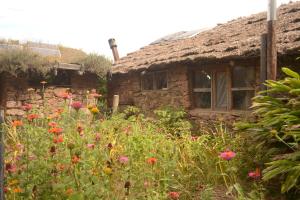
{"x":113,"y":46}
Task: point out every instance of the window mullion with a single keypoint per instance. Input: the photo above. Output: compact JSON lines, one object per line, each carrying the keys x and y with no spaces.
{"x":229,"y":85}
{"x":213,"y":90}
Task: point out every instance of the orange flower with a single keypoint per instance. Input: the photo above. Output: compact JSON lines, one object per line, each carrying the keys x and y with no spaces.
{"x":61,"y":167}
{"x":17,"y":123}
{"x":55,"y":130}
{"x":152,"y":161}
{"x":94,"y":110}
{"x":69,"y":191}
{"x":31,"y":117}
{"x":17,"y":190}
{"x":58,"y":139}
{"x":75,"y":159}
{"x":66,"y":95}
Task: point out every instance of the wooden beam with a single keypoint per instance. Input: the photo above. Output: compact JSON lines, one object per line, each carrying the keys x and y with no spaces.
{"x":263,"y":61}
{"x":115,"y":103}
{"x":69,"y":66}
{"x":271,"y":41}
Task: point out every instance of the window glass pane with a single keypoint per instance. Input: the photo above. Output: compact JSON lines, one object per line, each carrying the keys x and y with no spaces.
{"x":221,"y":90}
{"x":202,"y":99}
{"x":147,"y":81}
{"x":243,"y":77}
{"x":241,"y":100}
{"x":161,"y":79}
{"x":202,"y":79}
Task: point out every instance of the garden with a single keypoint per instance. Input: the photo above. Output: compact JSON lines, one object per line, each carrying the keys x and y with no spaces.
{"x":80,"y":151}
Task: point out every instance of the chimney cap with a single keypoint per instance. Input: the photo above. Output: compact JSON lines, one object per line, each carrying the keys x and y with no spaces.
{"x":112,"y":42}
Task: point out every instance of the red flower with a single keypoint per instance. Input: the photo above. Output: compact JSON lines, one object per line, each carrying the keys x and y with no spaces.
{"x":58,"y":139}
{"x":151,"y":161}
{"x":227,"y":155}
{"x":75,"y":159}
{"x":97,"y":137}
{"x":76,"y":105}
{"x":52,"y":124}
{"x":109,"y":146}
{"x":79,"y":129}
{"x":27,"y":107}
{"x":55,"y":130}
{"x":255,"y":174}
{"x":173,"y":195}
{"x":53,"y":149}
{"x":17,"y":123}
{"x":11,"y":167}
{"x":31,"y":117}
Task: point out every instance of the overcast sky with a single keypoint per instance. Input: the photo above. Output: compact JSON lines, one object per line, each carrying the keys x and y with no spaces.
{"x":88,"y":24}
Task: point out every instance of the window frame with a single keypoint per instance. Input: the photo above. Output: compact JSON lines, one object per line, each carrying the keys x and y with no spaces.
{"x":154,"y":80}
{"x":229,"y":89}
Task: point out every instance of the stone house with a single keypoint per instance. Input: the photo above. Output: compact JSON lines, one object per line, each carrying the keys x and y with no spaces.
{"x":208,"y":72}
{"x":16,"y":89}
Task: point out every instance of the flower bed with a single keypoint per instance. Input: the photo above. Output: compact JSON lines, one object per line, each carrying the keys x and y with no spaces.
{"x":75,"y":155}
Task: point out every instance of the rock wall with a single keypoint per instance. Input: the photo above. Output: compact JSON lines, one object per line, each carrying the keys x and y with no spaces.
{"x":128,"y":87}
{"x":18,"y":92}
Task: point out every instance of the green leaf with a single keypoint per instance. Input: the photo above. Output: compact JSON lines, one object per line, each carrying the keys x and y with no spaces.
{"x":291,"y":73}
{"x":291,"y":180}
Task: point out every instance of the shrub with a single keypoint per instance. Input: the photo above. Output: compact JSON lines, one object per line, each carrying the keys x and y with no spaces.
{"x":173,"y":121}
{"x":275,"y":134}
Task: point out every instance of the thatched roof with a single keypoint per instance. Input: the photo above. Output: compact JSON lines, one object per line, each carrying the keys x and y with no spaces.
{"x":239,"y":38}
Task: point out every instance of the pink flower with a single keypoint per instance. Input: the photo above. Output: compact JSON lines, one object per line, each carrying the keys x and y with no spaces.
{"x":90,"y":146}
{"x":97,"y":137}
{"x":227,"y":155}
{"x":146,"y":184}
{"x":173,"y":195}
{"x":76,"y":105}
{"x":27,"y":107}
{"x":123,"y":159}
{"x":194,"y":138}
{"x":255,"y":174}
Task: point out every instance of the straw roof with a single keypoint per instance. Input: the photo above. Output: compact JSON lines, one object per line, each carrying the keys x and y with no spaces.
{"x":239,"y":38}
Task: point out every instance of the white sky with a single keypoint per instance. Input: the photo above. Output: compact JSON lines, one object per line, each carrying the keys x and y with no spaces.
{"x":88,"y":24}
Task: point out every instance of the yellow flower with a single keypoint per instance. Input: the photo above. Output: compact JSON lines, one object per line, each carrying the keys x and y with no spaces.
{"x":107,"y":170}
{"x":95,"y":110}
{"x":13,"y":182}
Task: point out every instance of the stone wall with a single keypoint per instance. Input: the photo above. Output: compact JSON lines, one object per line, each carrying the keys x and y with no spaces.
{"x":18,"y":92}
{"x":128,"y":87}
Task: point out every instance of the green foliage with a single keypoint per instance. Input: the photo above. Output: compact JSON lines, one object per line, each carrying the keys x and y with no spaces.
{"x":16,"y":61}
{"x":173,"y":121}
{"x":276,"y":133}
{"x":131,"y":111}
{"x":46,"y":169}
{"x":97,"y":64}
